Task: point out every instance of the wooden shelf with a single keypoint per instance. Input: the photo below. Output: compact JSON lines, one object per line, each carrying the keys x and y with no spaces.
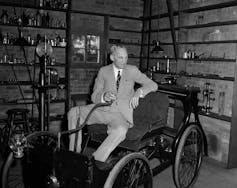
{"x":200,"y":42}
{"x":133,"y":57}
{"x":215,"y":77}
{"x":175,"y":13}
{"x":30,"y":46}
{"x":211,"y":24}
{"x":216,"y":116}
{"x":7,"y":83}
{"x":31,"y":64}
{"x":205,"y":42}
{"x":193,"y":10}
{"x":103,"y":14}
{"x":209,"y":59}
{"x":30,"y":6}
{"x":31,"y":26}
{"x":126,"y":43}
{"x":198,"y":60}
{"x":210,"y":114}
{"x":210,"y":7}
{"x":124,"y":30}
{"x":35,"y":119}
{"x":35,"y":102}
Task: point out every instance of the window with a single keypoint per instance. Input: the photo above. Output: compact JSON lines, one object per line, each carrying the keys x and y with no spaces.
{"x":86,"y":48}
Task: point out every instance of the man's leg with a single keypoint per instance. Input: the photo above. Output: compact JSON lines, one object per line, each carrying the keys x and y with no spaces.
{"x":77,"y":115}
{"x":73,"y":120}
{"x":117,"y":130}
{"x":115,"y":137}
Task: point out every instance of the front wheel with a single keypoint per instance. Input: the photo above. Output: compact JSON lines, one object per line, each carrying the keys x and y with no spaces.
{"x":132,"y":170}
{"x":188,"y":158}
{"x":25,"y":172}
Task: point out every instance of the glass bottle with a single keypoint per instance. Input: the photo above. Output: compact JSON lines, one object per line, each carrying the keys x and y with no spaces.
{"x":4,"y":17}
{"x":41,"y":3}
{"x":38,"y":19}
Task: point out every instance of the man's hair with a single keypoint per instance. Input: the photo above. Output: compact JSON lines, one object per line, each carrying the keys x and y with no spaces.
{"x":114,"y":48}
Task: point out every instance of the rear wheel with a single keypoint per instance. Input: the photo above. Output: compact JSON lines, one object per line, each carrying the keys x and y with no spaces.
{"x":188,"y":158}
{"x":24,"y":172}
{"x":131,"y":171}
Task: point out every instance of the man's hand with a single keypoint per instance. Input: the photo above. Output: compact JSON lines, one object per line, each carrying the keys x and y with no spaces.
{"x":109,"y":96}
{"x":134,"y":102}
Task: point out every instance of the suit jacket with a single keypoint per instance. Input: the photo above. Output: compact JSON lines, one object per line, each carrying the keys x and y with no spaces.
{"x":105,"y":81}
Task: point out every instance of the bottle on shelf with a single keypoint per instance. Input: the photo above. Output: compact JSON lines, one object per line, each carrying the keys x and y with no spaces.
{"x":38,"y":18}
{"x":167,"y":64}
{"x":5,"y":38}
{"x":47,"y":3}
{"x":41,"y":3}
{"x":157,"y":66}
{"x":24,"y":18}
{"x":4,"y":17}
{"x":58,"y":40}
{"x":47,"y":19}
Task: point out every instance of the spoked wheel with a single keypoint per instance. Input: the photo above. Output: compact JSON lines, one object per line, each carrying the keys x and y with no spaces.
{"x":30,"y":170}
{"x":131,"y":171}
{"x":188,"y":158}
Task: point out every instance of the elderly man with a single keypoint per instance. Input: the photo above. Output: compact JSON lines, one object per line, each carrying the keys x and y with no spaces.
{"x":114,"y":83}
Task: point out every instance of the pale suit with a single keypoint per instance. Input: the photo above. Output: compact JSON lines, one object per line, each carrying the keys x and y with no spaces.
{"x":118,"y":116}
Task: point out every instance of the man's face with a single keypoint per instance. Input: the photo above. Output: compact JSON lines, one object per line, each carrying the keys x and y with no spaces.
{"x":120,"y":58}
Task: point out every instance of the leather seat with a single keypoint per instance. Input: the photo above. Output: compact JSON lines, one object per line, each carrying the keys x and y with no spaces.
{"x":150,"y":115}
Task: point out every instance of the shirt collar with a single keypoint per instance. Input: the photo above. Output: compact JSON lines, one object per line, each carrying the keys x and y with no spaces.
{"x":116,"y":70}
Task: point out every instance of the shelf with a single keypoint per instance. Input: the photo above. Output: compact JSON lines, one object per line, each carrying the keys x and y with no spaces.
{"x":210,"y":114}
{"x":124,"y":43}
{"x":215,"y":77}
{"x":211,"y":24}
{"x":7,"y":83}
{"x":160,"y":58}
{"x":32,"y":102}
{"x":35,"y":119}
{"x":124,"y":30}
{"x":206,"y":42}
{"x":31,"y":64}
{"x":200,"y":42}
{"x":102,"y":14}
{"x":216,"y":116}
{"x":175,"y":13}
{"x":30,"y":6}
{"x":133,"y":57}
{"x":210,"y":7}
{"x":30,"y":46}
{"x":160,"y":30}
{"x":31,"y":26}
{"x":198,"y":60}
{"x":209,"y":59}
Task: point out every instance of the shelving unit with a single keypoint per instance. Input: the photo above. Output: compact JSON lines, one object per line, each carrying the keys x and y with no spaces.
{"x":22,"y":63}
{"x":197,"y":32}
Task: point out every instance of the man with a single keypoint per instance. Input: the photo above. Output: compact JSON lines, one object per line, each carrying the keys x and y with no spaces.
{"x":114,"y":83}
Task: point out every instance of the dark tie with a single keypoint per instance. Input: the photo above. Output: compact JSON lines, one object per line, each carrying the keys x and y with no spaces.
{"x":118,"y":80}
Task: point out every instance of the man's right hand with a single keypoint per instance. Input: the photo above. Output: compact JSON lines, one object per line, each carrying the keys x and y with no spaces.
{"x":109,"y":96}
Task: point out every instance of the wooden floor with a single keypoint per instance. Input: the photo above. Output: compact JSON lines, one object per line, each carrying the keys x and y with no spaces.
{"x":211,"y":176}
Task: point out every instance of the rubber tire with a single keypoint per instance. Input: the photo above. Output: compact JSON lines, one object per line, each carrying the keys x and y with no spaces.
{"x":122,"y":163}
{"x":18,"y":179}
{"x":179,"y":154}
